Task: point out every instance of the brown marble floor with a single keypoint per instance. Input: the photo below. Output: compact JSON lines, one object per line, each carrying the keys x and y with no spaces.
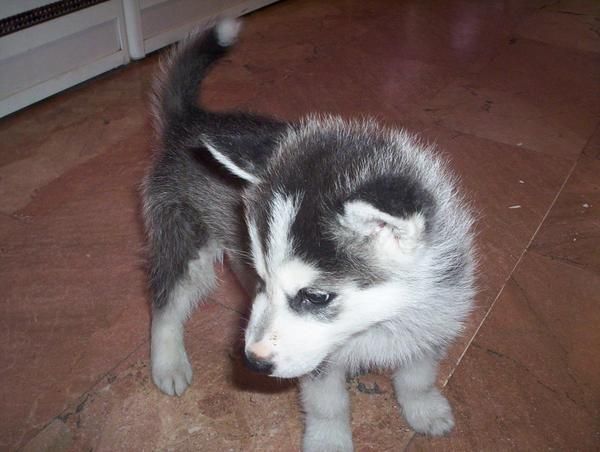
{"x":510,"y":92}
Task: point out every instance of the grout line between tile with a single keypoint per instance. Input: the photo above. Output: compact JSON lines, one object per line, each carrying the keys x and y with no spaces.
{"x":84,"y":393}
{"x":510,"y":274}
{"x":136,"y":348}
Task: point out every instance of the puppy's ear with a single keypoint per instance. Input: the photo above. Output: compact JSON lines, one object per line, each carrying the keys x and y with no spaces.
{"x":242,"y":143}
{"x":388,"y":233}
{"x":390,"y":211}
{"x":235,"y":163}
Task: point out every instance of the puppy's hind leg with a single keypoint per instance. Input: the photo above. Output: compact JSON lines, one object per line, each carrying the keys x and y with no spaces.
{"x":182,"y":273}
{"x":171,"y":369}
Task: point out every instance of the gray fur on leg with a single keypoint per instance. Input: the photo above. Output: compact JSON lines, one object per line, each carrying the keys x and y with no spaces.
{"x":426,"y":410}
{"x":171,"y":369}
{"x":327,"y":410}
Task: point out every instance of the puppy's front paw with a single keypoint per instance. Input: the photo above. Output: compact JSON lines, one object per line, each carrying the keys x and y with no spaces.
{"x":171,"y":370}
{"x":429,"y":413}
{"x":327,"y":436}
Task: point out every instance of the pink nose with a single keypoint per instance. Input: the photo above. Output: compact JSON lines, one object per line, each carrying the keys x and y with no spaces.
{"x":261,"y":350}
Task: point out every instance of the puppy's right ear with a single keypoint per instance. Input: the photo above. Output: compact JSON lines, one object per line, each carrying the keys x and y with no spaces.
{"x":235,"y":163}
{"x":392,"y":234}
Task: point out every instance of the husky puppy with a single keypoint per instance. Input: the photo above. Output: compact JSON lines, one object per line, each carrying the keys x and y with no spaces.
{"x":361,"y":245}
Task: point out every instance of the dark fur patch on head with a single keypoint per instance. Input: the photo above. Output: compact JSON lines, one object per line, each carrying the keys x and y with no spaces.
{"x":395,"y":194}
{"x":323,"y":170}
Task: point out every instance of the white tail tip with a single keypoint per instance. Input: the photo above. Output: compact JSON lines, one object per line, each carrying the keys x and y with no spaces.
{"x":227,"y":31}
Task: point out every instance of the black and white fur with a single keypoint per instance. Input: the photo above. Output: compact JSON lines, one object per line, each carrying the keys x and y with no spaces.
{"x":361,"y":245}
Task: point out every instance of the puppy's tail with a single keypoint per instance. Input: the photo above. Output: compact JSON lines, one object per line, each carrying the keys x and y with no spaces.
{"x":176,"y":87}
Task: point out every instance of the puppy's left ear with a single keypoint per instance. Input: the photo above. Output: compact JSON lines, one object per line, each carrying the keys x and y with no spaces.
{"x":389,"y":233}
{"x":241,"y":143}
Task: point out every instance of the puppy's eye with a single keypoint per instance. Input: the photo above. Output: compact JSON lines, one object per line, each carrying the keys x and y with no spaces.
{"x":315,"y":296}
{"x":260,"y":285}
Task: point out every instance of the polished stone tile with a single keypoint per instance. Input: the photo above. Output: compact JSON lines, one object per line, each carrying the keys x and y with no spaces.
{"x":576,"y":7}
{"x":545,"y":75}
{"x":506,"y":116}
{"x":564,"y":28}
{"x":460,"y":35}
{"x":386,"y":56}
{"x":532,"y":95}
{"x":73,"y":298}
{"x":313,"y":81}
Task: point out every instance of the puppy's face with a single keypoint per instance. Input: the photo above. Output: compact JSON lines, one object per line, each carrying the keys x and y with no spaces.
{"x":290,"y":329}
{"x":309,"y":303}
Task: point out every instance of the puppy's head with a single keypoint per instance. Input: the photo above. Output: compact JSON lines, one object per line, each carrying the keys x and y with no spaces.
{"x":336,"y":238}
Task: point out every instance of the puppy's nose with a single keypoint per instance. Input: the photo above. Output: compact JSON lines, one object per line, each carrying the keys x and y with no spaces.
{"x":253,"y":362}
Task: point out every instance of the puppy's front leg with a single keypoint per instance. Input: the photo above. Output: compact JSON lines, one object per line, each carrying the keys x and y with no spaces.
{"x":425,"y":408}
{"x":327,"y":412}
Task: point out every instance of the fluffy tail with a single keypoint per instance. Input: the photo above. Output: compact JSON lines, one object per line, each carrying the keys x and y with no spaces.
{"x":176,"y":88}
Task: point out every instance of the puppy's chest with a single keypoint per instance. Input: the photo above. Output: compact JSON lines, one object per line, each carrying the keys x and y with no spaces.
{"x":380,"y":347}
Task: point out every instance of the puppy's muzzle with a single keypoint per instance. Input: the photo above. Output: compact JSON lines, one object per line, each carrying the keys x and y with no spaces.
{"x":253,"y":362}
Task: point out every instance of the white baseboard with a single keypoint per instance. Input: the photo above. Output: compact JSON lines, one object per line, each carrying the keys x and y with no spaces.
{"x":42,"y":60}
